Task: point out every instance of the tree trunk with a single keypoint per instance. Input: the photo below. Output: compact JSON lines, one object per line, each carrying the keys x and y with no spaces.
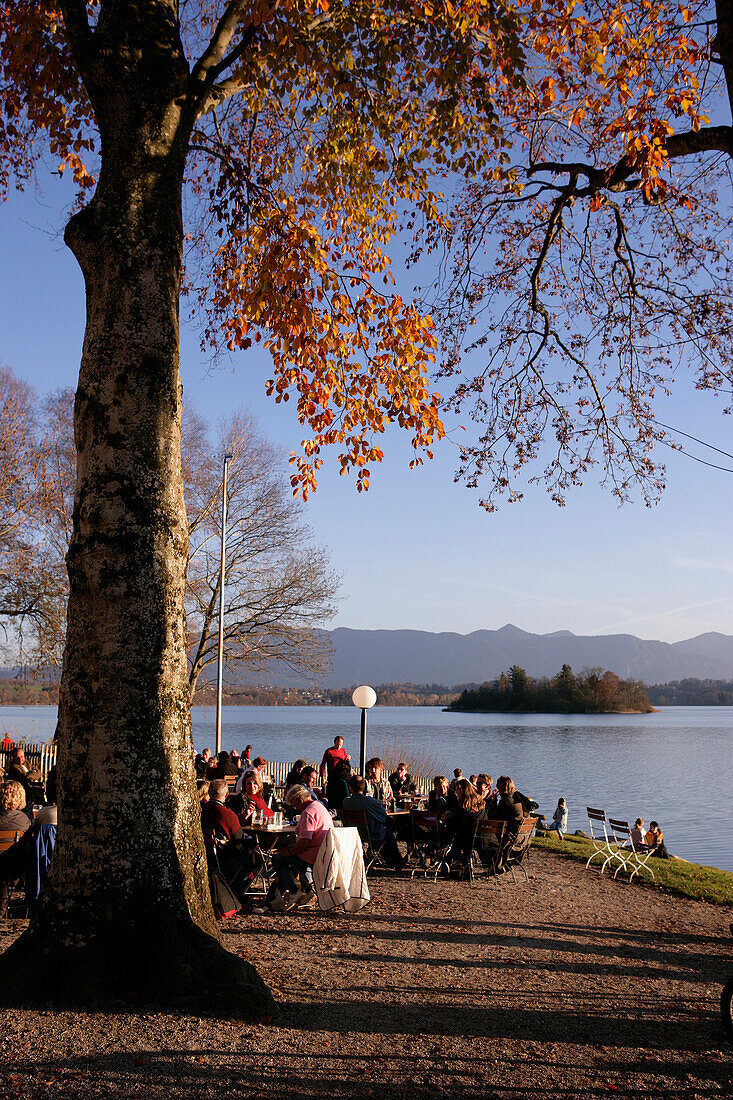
{"x":126,"y":911}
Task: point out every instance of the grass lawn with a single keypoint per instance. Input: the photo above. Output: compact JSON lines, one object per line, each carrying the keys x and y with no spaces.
{"x":690,"y":880}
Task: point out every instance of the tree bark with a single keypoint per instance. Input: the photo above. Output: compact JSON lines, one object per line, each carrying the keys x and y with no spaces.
{"x":126,"y":911}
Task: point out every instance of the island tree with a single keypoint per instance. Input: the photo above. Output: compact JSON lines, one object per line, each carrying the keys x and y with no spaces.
{"x":302,"y":136}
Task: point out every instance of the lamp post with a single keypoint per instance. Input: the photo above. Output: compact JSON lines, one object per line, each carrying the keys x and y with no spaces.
{"x":220,"y":655}
{"x":363,"y":697}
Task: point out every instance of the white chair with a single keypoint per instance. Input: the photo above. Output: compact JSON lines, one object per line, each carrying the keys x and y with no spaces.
{"x":603,"y":844}
{"x":630,"y":857}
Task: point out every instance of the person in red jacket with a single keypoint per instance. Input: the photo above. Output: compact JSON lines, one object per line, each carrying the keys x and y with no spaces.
{"x":333,"y":755}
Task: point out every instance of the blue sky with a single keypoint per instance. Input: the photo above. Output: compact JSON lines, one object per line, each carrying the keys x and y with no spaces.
{"x":417,"y":551}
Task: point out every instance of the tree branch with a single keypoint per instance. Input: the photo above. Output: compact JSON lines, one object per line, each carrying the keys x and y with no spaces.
{"x":78,"y":32}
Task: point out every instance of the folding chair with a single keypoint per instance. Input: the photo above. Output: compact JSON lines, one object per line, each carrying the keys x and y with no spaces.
{"x":603,"y":845}
{"x":428,"y":843}
{"x":629,"y":856}
{"x":8,"y":837}
{"x":518,"y":851}
{"x":359,"y":819}
{"x":490,"y":842}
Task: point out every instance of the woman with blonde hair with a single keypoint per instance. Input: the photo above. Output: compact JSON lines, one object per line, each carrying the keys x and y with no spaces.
{"x":12,"y":805}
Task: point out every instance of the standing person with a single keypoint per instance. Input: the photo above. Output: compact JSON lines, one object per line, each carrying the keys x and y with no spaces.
{"x":333,"y":755}
{"x":247,"y":758}
{"x":559,"y":821}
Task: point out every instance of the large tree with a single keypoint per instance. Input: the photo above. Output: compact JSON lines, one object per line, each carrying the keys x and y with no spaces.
{"x":305,"y":133}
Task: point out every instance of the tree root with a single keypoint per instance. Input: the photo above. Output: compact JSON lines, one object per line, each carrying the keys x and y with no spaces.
{"x":175,"y":967}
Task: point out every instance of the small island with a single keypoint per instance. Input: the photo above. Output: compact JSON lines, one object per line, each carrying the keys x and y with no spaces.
{"x":593,"y":691}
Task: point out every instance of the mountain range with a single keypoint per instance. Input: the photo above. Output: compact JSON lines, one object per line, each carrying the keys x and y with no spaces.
{"x":420,"y":657}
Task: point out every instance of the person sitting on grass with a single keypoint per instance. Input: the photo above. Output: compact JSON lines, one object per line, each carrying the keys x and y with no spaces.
{"x":379,"y":829}
{"x":638,"y":833}
{"x":559,"y":822}
{"x":296,"y":861}
{"x":655,"y":840}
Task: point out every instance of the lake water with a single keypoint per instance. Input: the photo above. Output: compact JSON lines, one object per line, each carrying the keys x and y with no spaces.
{"x":675,"y":766}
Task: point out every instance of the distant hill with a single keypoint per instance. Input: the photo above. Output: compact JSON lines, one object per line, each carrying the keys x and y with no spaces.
{"x":419,"y":657}
{"x":416,"y":656}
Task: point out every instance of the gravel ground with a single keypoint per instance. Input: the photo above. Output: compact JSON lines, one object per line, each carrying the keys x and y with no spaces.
{"x":571,"y":985}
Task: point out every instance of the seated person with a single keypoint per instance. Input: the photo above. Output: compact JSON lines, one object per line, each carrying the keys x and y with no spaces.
{"x":12,"y":805}
{"x":401,"y":782}
{"x":506,"y":807}
{"x":201,"y":763}
{"x":217,"y":820}
{"x":309,"y":779}
{"x":559,"y":819}
{"x":457,"y":774}
{"x":226,"y":766}
{"x":294,"y":774}
{"x":249,"y":800}
{"x":638,"y":833}
{"x":483,"y":785}
{"x":462,"y":819}
{"x":655,"y":840}
{"x":18,"y":770}
{"x":35,"y":788}
{"x":297,"y":860}
{"x":259,"y":765}
{"x":337,"y":787}
{"x":377,"y":785}
{"x":438,"y":799}
{"x":203,"y":792}
{"x":20,"y":858}
{"x":377,"y":824}
{"x":216,"y":817}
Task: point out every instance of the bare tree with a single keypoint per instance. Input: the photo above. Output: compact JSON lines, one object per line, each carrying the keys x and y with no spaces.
{"x":278,"y":584}
{"x":25,"y":564}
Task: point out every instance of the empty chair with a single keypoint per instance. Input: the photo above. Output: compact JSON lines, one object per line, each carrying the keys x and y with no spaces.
{"x":603,"y":844}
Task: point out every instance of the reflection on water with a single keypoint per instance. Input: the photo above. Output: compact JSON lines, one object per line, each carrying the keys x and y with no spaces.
{"x":675,"y":766}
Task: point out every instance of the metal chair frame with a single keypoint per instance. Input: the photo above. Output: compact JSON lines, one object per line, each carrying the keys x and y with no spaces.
{"x":359,"y":819}
{"x":604,"y":846}
{"x":629,"y":856}
{"x":9,"y":837}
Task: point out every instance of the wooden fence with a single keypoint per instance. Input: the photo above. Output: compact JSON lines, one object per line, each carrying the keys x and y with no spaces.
{"x":36,"y":756}
{"x":44,"y":757}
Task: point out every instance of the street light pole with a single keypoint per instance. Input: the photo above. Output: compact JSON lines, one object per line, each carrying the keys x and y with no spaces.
{"x":220,"y":655}
{"x":363,"y":697}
